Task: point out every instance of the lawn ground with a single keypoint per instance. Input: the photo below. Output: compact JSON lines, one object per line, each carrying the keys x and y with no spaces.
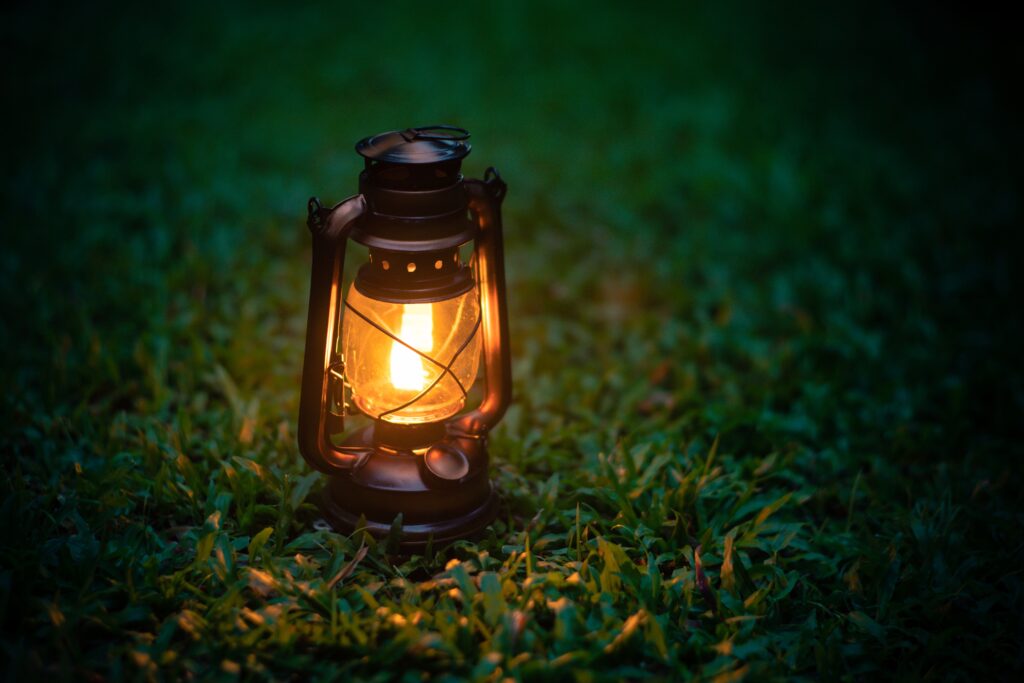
{"x":765,"y":312}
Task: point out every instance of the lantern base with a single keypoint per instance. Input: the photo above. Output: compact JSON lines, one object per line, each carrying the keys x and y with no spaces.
{"x":443,"y":494}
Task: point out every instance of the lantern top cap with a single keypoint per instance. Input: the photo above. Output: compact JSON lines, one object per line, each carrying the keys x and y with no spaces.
{"x":420,"y":145}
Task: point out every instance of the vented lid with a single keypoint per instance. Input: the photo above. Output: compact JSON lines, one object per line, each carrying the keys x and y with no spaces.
{"x":421,"y":145}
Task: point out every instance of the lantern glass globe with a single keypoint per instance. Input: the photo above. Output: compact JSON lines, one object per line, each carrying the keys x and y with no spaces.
{"x":386,"y":374}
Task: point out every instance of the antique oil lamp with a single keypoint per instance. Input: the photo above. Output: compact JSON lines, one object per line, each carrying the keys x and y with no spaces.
{"x":404,"y":346}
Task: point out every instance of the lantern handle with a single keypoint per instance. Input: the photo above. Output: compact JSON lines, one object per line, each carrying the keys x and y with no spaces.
{"x":485,"y":197}
{"x":322,"y":366}
{"x":453,"y":133}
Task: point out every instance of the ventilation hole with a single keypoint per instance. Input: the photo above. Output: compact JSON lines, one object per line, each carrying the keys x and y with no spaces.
{"x":385,"y":265}
{"x":438,"y":265}
{"x":411,"y":267}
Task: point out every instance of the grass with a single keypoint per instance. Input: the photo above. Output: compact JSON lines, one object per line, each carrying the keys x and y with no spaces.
{"x":764,"y":296}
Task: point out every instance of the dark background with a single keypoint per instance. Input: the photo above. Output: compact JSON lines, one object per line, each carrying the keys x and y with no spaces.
{"x":790,"y":228}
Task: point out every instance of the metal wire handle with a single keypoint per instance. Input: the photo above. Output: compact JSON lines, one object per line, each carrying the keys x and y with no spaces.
{"x":419,"y":133}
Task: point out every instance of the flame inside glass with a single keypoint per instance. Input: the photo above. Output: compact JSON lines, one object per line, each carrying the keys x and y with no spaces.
{"x":386,"y":374}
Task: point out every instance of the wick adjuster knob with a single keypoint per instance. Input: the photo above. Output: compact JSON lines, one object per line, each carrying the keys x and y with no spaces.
{"x":446,"y":463}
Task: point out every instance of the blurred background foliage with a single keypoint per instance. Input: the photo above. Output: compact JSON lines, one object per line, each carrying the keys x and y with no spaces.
{"x":765,"y":308}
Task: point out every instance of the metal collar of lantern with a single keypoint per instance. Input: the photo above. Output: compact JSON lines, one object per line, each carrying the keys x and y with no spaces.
{"x":413,"y":212}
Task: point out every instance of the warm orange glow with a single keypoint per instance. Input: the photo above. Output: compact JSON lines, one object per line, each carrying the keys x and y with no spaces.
{"x":387,"y":377}
{"x":407,"y":371}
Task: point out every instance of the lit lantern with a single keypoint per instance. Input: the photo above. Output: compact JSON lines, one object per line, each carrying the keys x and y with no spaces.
{"x":412,"y":330}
